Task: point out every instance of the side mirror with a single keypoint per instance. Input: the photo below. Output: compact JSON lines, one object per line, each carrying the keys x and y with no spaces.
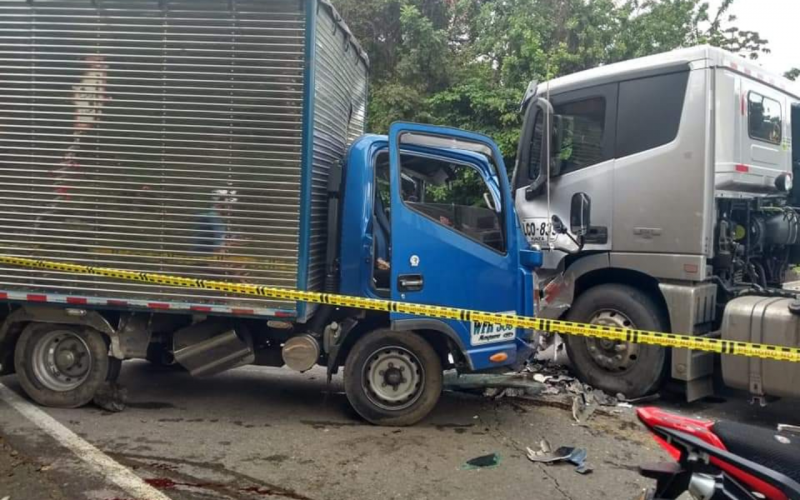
{"x":545,"y":110}
{"x":580,"y":214}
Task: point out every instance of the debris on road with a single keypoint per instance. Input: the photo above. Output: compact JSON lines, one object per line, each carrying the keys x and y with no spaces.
{"x":482,"y":462}
{"x":22,"y":476}
{"x":584,"y":399}
{"x":518,"y":383}
{"x":644,"y":399}
{"x":111,"y":397}
{"x":573,"y":455}
{"x":583,"y":407}
{"x":542,"y":381}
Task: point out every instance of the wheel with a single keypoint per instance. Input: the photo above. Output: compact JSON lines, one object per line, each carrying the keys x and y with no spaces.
{"x":393,"y":378}
{"x":634,"y":370}
{"x":63,"y":365}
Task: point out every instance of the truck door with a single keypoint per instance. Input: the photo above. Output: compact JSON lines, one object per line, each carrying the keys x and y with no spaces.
{"x":453,"y":235}
{"x":582,"y":152}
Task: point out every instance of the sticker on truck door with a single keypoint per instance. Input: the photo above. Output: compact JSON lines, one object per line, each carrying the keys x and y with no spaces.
{"x":489,"y":333}
{"x":537,"y":229}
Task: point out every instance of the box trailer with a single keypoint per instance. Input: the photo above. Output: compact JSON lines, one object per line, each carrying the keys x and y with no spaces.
{"x":185,"y":137}
{"x":209,"y":140}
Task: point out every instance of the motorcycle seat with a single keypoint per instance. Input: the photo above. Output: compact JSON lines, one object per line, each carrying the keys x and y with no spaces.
{"x":777,"y":451}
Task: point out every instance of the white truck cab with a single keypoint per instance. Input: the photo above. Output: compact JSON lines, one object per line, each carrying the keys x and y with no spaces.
{"x":686,"y":159}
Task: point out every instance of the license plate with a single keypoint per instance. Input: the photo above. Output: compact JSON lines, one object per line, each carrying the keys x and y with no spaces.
{"x":489,"y":333}
{"x":537,"y":229}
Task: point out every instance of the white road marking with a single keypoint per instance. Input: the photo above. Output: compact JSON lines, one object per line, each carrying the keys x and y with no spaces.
{"x":107,"y":467}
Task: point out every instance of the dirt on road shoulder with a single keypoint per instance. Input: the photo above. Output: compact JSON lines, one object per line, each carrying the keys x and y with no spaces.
{"x":22,"y":478}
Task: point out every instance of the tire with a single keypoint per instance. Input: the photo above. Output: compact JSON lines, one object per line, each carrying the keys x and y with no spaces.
{"x":72,"y":383}
{"x":640,"y":368}
{"x":389,"y":356}
{"x":114,"y":369}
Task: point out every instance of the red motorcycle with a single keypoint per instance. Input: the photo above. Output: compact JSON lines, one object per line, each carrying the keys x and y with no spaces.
{"x":721,"y":460}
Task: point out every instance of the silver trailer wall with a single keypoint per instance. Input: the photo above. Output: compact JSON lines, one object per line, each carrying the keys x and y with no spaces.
{"x":168,"y":137}
{"x":339,"y":109}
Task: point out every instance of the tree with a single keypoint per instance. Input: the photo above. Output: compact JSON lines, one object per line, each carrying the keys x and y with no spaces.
{"x":466,"y":63}
{"x":792,"y":74}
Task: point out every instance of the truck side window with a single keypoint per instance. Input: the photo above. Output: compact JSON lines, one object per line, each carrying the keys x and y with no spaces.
{"x":764,"y":118}
{"x":649,"y":112}
{"x":453,"y":195}
{"x":578,"y":139}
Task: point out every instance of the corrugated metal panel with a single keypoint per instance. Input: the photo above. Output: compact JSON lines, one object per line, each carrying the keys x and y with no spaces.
{"x":162,"y":136}
{"x":339,"y":118}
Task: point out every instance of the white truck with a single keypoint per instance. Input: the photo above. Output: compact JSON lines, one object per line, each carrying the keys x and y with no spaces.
{"x":686,"y":158}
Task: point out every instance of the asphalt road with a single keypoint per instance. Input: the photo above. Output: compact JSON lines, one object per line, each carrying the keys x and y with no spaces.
{"x":256,"y":433}
{"x":267,"y":433}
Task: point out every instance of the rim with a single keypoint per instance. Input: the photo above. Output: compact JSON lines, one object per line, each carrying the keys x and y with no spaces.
{"x":393,"y":378}
{"x":612,"y":355}
{"x":61,"y":360}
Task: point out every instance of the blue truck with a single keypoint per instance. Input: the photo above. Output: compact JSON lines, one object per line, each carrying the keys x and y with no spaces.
{"x":225,"y":141}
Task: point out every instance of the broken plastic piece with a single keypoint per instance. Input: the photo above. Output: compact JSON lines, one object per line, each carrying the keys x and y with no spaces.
{"x":545,"y":446}
{"x":603,"y":399}
{"x":583,"y":407}
{"x":575,"y":456}
{"x":538,"y":377}
{"x":561,"y":454}
{"x":482,"y":462}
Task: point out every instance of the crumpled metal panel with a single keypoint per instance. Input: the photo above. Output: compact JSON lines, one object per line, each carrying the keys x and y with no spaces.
{"x":339,"y":118}
{"x":157,"y":136}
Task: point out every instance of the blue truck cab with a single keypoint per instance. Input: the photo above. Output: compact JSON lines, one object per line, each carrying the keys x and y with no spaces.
{"x":413,"y":228}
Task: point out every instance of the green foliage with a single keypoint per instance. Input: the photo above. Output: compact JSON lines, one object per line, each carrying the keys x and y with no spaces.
{"x":792,"y":74}
{"x":467,"y":189}
{"x":466,"y":63}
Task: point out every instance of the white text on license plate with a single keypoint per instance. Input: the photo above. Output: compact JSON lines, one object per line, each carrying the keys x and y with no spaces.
{"x":537,"y":229}
{"x":488,"y":333}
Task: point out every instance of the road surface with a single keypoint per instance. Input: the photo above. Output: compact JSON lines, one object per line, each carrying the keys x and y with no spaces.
{"x":263,"y":433}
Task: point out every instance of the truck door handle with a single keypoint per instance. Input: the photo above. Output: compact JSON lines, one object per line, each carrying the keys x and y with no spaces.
{"x":409,"y":282}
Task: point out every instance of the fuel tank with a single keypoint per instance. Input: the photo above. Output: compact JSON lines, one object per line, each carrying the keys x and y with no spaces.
{"x":761,"y":320}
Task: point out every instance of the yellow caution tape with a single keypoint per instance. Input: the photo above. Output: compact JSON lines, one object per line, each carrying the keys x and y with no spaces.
{"x":765,"y":351}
